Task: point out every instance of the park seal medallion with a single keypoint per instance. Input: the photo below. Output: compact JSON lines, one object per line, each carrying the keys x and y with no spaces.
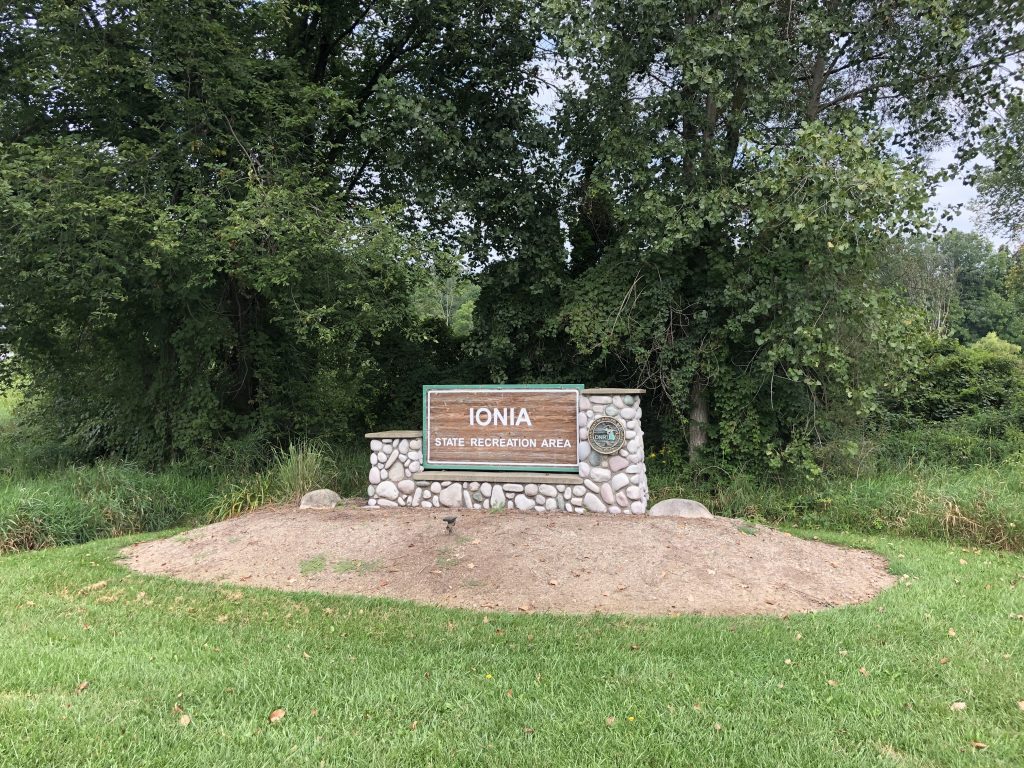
{"x":606,"y":435}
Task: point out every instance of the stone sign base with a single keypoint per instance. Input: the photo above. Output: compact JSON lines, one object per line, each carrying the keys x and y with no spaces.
{"x":614,"y":483}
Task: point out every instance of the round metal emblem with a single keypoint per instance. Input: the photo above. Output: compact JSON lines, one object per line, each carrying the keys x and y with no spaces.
{"x":606,"y":435}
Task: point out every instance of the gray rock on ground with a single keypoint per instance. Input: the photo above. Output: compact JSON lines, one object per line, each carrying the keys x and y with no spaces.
{"x":679,"y":508}
{"x":320,"y":499}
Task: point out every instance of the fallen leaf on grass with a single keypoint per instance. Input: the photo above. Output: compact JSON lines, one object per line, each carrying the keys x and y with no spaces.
{"x":82,"y":686}
{"x":184,"y":720}
{"x":833,"y":683}
{"x":958,"y":706}
{"x":1020,"y":705}
{"x":951,"y":632}
{"x":306,"y":655}
{"x":788,"y":662}
{"x":413,"y":724}
{"x":979,"y":745}
{"x":944,"y":660}
{"x":718,"y":726}
{"x":528,"y":731}
{"x":863,"y":671}
{"x":277,"y":715}
{"x":609,"y":721}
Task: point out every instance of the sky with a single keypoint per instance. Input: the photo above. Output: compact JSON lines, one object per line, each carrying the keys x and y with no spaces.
{"x":955,"y":192}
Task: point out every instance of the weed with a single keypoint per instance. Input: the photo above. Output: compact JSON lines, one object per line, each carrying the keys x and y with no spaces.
{"x":446,"y":557}
{"x":355,"y":566}
{"x":314,"y":565}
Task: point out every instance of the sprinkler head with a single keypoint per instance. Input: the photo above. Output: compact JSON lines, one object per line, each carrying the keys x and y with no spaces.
{"x":450,"y":523}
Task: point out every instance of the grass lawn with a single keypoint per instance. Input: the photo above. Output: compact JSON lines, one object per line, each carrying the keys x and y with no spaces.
{"x":378,"y":683}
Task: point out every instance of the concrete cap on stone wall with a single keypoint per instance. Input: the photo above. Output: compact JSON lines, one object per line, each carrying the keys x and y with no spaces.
{"x":395,"y":434}
{"x":613,"y":391}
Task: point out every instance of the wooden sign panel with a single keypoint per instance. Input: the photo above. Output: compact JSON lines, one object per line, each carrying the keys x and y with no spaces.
{"x":511,"y":427}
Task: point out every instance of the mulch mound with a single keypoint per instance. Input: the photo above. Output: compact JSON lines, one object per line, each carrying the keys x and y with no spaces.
{"x":514,"y":561}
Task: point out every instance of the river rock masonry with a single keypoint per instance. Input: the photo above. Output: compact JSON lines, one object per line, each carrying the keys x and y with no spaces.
{"x":615,"y":483}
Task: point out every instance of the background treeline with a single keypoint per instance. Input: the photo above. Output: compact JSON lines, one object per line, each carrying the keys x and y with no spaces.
{"x":227,"y":228}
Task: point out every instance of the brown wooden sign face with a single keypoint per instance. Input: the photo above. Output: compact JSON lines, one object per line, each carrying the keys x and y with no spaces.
{"x":525,"y":427}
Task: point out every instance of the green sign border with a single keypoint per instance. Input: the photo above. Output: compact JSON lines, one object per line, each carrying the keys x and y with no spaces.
{"x":493,"y":467}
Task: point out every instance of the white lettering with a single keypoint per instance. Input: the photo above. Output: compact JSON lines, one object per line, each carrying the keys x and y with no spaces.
{"x":485,"y":417}
{"x":555,"y":442}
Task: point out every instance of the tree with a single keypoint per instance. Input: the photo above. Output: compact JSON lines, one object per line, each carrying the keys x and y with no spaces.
{"x":210,"y":210}
{"x":1001,"y":185}
{"x":447,"y":292}
{"x":962,"y":283}
{"x":747,"y":191}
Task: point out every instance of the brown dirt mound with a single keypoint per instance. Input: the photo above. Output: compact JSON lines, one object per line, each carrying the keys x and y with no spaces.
{"x":512,"y":561}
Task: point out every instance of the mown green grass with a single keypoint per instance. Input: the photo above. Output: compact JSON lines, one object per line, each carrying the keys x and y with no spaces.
{"x":380,"y":683}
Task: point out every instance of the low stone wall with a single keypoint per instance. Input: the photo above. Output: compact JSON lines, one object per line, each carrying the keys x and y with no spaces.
{"x":615,"y":483}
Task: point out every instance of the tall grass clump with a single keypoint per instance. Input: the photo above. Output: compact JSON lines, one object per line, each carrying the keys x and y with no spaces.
{"x":79,"y":504}
{"x":980,"y":505}
{"x":288,"y":474}
{"x":302,"y":467}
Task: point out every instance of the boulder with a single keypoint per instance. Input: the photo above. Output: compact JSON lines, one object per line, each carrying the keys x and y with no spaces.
{"x":320,"y":499}
{"x":679,"y":508}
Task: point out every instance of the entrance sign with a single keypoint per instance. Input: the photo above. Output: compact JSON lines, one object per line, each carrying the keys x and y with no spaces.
{"x":511,"y":427}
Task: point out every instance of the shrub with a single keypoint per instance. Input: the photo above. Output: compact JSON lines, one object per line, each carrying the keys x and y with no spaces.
{"x":957,"y":380}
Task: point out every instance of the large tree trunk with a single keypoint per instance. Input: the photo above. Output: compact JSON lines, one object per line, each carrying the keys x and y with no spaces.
{"x":698,"y":417}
